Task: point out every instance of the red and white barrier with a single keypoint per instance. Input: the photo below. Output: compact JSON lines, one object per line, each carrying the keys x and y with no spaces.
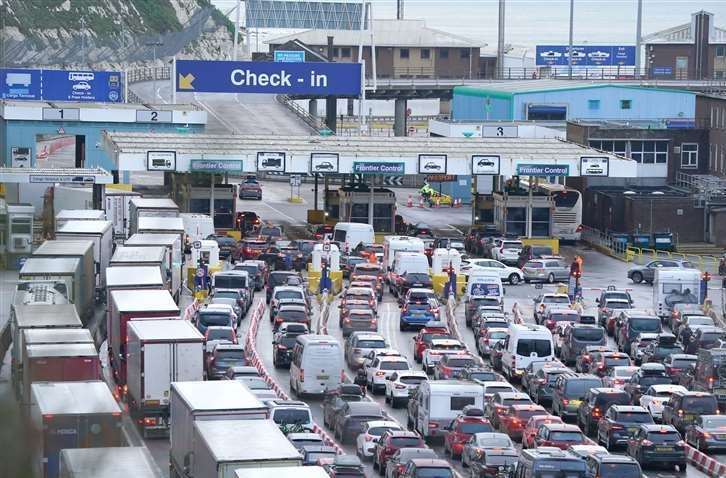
{"x":517,"y":313}
{"x":451,"y":319}
{"x":705,"y":463}
{"x":256,"y":361}
{"x":190,"y":310}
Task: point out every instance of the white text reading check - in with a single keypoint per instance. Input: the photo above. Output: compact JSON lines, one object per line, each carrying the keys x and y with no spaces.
{"x":250,"y":78}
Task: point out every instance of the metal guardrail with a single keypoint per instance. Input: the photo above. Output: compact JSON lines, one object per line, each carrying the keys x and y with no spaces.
{"x":604,"y":241}
{"x":313,"y":122}
{"x":6,"y":340}
{"x":138,"y":75}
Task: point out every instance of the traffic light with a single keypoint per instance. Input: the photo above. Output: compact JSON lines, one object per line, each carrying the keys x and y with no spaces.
{"x":575,"y":270}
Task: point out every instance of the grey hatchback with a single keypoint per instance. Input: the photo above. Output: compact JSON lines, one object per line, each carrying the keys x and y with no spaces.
{"x":549,"y":269}
{"x":646,"y":272}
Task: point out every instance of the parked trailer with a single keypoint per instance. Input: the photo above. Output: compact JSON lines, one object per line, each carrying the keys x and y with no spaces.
{"x":78,"y":215}
{"x":24,"y":318}
{"x":150,"y":207}
{"x":133,"y":278}
{"x":128,"y":305}
{"x":174,"y":255}
{"x":72,"y":415}
{"x":160,"y":352}
{"x":63,"y":274}
{"x":112,"y":462}
{"x":58,"y":363}
{"x":82,"y":250}
{"x":216,"y":450}
{"x":202,"y":400}
{"x":117,"y":205}
{"x":101,"y":233}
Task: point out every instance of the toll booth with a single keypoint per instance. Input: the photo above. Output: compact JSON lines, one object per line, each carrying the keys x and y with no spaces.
{"x":193,"y":193}
{"x":355,"y":201}
{"x":511,"y":211}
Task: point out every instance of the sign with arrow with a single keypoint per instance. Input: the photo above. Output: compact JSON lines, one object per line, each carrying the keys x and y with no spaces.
{"x":306,"y":78}
{"x":393,"y":180}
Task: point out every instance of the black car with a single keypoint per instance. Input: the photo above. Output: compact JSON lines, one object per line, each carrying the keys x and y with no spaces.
{"x":223,"y":357}
{"x":613,"y":466}
{"x":542,"y":383}
{"x":226,"y":244}
{"x":481,"y":374}
{"x":282,"y":350}
{"x":658,"y":445}
{"x":277,"y":278}
{"x":648,"y":375}
{"x":620,"y":423}
{"x":595,"y":404}
{"x":349,"y":422}
{"x":494,"y":462}
{"x":420,"y":230}
{"x":313,"y":453}
{"x":661,"y":348}
{"x":409,"y":280}
{"x":335,"y":400}
{"x":345,"y":466}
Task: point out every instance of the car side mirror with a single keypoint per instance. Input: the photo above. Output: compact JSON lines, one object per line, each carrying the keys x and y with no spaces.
{"x":597,"y":300}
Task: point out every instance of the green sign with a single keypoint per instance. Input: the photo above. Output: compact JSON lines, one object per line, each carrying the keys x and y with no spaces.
{"x":216,"y":165}
{"x":379,"y":168}
{"x":543,"y":170}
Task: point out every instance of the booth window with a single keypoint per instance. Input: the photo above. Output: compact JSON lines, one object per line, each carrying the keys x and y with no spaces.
{"x":546,"y":113}
{"x":626,"y":104}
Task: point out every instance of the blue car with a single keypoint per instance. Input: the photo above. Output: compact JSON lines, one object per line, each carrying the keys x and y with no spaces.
{"x":415,"y":315}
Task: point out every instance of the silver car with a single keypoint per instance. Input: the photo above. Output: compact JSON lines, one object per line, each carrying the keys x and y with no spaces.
{"x":548,"y":270}
{"x":360,"y":344}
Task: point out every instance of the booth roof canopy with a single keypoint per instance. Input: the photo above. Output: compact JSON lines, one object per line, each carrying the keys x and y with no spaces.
{"x":120,"y":143}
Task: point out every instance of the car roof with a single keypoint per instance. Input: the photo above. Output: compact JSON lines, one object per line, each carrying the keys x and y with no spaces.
{"x":562,"y":427}
{"x":364,"y":408}
{"x":629,"y":408}
{"x":654,"y":427}
{"x":430,"y":462}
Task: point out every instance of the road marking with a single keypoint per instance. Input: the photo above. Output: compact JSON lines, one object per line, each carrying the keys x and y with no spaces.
{"x":209,"y":110}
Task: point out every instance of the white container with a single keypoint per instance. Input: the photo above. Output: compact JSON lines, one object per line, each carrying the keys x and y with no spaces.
{"x":332,"y":257}
{"x":101,"y":233}
{"x":673,"y":285}
{"x":117,"y":205}
{"x":150,"y":207}
{"x":174,"y":254}
{"x":197,"y":226}
{"x":111,"y":462}
{"x":442,"y":259}
{"x":160,"y":352}
{"x":78,"y":215}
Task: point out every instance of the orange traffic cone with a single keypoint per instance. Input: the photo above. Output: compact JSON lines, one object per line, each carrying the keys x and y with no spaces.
{"x":409,"y":202}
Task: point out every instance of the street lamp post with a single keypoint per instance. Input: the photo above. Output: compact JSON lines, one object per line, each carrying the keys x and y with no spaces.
{"x":154,"y":44}
{"x":572,"y":27}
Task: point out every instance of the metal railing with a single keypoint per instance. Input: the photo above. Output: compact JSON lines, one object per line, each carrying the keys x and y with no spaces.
{"x":315,"y":123}
{"x":157,"y":73}
{"x":605,"y":242}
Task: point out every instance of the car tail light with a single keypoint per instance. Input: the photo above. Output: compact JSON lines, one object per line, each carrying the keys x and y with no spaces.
{"x":596,"y":412}
{"x":565,"y":402}
{"x":646,"y":443}
{"x":541,"y":380}
{"x":706,"y":435}
{"x":281,"y":347}
{"x":680,"y":412}
{"x":302,"y":375}
{"x":579,"y":228}
{"x":380,"y":374}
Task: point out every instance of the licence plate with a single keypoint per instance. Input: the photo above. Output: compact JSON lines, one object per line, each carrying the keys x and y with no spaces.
{"x":575,"y":403}
{"x":322,"y":377}
{"x":721,"y":437}
{"x":689,"y":417}
{"x":632,"y":430}
{"x":664,"y":448}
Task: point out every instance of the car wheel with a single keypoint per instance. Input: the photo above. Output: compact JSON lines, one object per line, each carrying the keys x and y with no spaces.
{"x":401,"y":326}
{"x":683,"y":467}
{"x":514,"y":279}
{"x":637,"y":277}
{"x":551,"y":279}
{"x":701,"y":446}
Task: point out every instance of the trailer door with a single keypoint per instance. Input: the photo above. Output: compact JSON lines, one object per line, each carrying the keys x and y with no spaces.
{"x":188,"y":363}
{"x":158,"y":363}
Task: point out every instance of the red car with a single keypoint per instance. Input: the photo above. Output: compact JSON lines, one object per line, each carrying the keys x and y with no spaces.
{"x":530,"y":429}
{"x":560,"y":435}
{"x":512,"y":423}
{"x":323,"y":230}
{"x":608,"y":360}
{"x":500,"y":403}
{"x":461,"y":430}
{"x":390,"y":442}
{"x":250,"y":249}
{"x":422,"y":340}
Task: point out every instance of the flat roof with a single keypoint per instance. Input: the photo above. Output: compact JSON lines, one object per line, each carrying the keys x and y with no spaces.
{"x":154,"y":223}
{"x":507,"y":89}
{"x":81,"y":214}
{"x":138,"y":254}
{"x":218,"y":395}
{"x":74,"y":398}
{"x":99,"y":105}
{"x":166,"y":330}
{"x":163,"y":203}
{"x":84,"y":227}
{"x":49,"y":265}
{"x":141,"y":276}
{"x":144,"y":301}
{"x":47,"y":315}
{"x":57,"y":336}
{"x":148,"y":239}
{"x":61,"y":350}
{"x":83,"y":176}
{"x":77,"y":247}
{"x":111,"y":462}
{"x":224,"y":437}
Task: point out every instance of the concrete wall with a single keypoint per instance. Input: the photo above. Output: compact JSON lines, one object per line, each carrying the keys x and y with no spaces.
{"x":675,"y":214}
{"x":24,"y":133}
{"x":645,"y":103}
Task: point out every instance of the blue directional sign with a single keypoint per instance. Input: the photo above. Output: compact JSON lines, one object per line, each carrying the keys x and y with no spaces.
{"x":102,"y":86}
{"x":310,"y":78}
{"x":586,"y":55}
{"x":289,"y":56}
{"x":18,"y":84}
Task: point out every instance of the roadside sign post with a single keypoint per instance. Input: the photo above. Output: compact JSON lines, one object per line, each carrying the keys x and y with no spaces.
{"x":295,"y":181}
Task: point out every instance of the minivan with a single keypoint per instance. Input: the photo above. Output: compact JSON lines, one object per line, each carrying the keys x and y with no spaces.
{"x":525,"y":344}
{"x":579,"y":336}
{"x":353,"y":234}
{"x":569,"y":392}
{"x":548,"y":462}
{"x":317,"y":364}
{"x":439,"y":402}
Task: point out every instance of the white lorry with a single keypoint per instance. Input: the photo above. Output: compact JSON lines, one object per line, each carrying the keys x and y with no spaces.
{"x":150,"y":207}
{"x":174,"y":255}
{"x":672,"y":286}
{"x":160,"y":352}
{"x":101,"y":233}
{"x":117,"y":205}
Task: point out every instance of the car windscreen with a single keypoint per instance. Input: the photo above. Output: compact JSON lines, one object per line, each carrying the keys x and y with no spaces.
{"x":288,"y":342}
{"x":459,"y":362}
{"x":617,"y":295}
{"x":484,"y":376}
{"x":579,"y":387}
{"x":394,"y":366}
{"x":649,"y":325}
{"x":649,"y":380}
{"x":563,"y":317}
{"x":497,"y":460}
{"x":700,"y":405}
{"x":220,"y":334}
{"x":634,"y":417}
{"x":433,"y":472}
{"x":405,"y":442}
{"x":472,"y":428}
{"x":251,"y":270}
{"x":230,"y":281}
{"x":618,"y":305}
{"x":412,"y":380}
{"x":291,"y":416}
{"x":566,"y":436}
{"x":525,"y":415}
{"x":493,"y":442}
{"x":293,"y":315}
{"x":619,"y":470}
{"x":661,"y":438}
{"x":226,"y":294}
{"x":417,"y":277}
{"x":313,"y":457}
{"x":289,"y":294}
{"x":229,"y":356}
{"x":710,"y":337}
{"x":683,"y":363}
{"x":276,"y":279}
{"x":214,"y":318}
{"x":618,"y":361}
{"x":588,"y":335}
{"x":540,"y":347}
{"x":371,"y":344}
{"x":516,"y":401}
{"x":604,"y":400}
{"x":498,"y":335}
{"x":270,"y":231}
{"x":255,"y":383}
{"x":556,"y":300}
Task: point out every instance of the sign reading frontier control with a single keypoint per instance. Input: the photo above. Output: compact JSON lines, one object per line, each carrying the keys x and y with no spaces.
{"x":308,"y":78}
{"x":379,"y":168}
{"x":216,"y":165}
{"x":543,"y":170}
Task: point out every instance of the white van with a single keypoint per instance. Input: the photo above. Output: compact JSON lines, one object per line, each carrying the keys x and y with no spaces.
{"x":411,"y":262}
{"x":484,"y":283}
{"x":317,"y":364}
{"x":526,"y":343}
{"x":353,"y":234}
{"x":440,"y":401}
{"x":394,"y":244}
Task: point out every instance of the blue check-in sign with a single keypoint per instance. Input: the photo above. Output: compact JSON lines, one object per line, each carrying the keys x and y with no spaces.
{"x":308,"y":78}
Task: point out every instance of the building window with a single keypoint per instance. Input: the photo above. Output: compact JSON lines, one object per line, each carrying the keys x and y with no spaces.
{"x":626,"y":104}
{"x":404,"y":52}
{"x":464,"y":53}
{"x":649,"y":152}
{"x":345,"y":52}
{"x":721,"y":50}
{"x":689,"y":155}
{"x":615,"y":147}
{"x":443,"y":52}
{"x":425,"y":53}
{"x":593,"y":104}
{"x":336,"y":51}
